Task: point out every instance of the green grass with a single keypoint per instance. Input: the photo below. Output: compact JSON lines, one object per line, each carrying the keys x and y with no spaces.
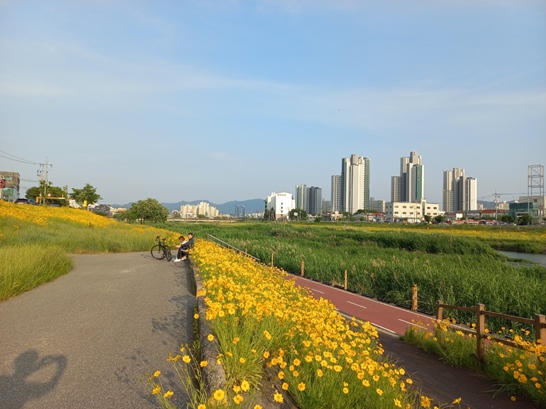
{"x":26,"y":267}
{"x":457,"y":266}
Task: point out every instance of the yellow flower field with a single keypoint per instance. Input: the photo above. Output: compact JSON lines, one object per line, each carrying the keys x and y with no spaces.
{"x":264,"y":321}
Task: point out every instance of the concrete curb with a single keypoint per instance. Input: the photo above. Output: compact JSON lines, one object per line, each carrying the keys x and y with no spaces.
{"x":214,"y":375}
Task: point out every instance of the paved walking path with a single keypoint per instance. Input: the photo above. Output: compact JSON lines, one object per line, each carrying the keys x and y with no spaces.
{"x":87,"y":339}
{"x":436,"y":379}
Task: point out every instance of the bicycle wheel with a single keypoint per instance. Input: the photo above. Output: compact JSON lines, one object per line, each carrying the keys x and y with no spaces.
{"x":157,"y":252}
{"x":168,"y":254}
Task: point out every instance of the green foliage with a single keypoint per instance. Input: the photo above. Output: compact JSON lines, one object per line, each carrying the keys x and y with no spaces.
{"x":386,"y":262}
{"x":149,"y":210}
{"x":86,"y":196}
{"x":26,"y":266}
{"x":46,"y":191}
{"x":524,"y":220}
{"x":297,"y":214}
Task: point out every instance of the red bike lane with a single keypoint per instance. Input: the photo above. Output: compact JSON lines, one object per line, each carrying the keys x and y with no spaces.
{"x":384,"y":316}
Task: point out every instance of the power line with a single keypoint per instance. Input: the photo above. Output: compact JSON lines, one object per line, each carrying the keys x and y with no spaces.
{"x":16,"y":158}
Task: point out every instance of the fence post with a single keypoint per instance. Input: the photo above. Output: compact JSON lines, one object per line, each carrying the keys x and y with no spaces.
{"x":480,"y":331}
{"x":345,"y":286}
{"x":302,"y":267}
{"x":540,"y":328}
{"x":439,"y":310}
{"x":272,"y":256}
{"x":414,"y":297}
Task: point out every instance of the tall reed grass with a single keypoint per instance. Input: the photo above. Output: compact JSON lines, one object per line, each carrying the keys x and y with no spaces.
{"x":384,"y":263}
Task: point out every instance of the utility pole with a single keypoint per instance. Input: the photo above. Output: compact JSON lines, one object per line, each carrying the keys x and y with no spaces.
{"x":43,"y":174}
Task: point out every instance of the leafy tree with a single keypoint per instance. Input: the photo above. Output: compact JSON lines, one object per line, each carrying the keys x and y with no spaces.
{"x":439,"y":219}
{"x":86,"y":196}
{"x":272,"y":215}
{"x":297,"y":214}
{"x":266,"y":214}
{"x":506,"y":218}
{"x":524,"y":219}
{"x":148,"y":210}
{"x":46,"y":191}
{"x":428,"y":218}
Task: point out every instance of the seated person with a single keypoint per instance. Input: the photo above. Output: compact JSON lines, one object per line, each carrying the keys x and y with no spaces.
{"x":184,"y":247}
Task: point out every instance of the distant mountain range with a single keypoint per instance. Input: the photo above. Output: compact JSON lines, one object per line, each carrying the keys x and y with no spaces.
{"x":251,"y":206}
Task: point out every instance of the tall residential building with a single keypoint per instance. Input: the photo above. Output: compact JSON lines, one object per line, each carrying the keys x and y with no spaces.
{"x":410,"y":185}
{"x":355,"y":183}
{"x":302,"y":197}
{"x":336,"y":194}
{"x":460,"y":194}
{"x":315,"y":201}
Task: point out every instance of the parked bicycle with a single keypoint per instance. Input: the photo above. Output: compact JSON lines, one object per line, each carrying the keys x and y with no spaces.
{"x":161,"y":251}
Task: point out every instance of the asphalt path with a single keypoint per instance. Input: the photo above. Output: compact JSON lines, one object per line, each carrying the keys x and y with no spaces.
{"x":88,"y":339}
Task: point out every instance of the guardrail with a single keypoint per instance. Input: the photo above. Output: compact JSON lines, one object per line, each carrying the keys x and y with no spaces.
{"x":224,"y":244}
{"x":539,"y":323}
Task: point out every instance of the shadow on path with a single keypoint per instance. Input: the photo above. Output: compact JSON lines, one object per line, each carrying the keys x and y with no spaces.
{"x":33,"y":378}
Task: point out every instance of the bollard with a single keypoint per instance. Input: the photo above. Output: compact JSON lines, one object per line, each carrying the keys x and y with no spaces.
{"x":414,"y":297}
{"x":302,"y":268}
{"x":345,"y":286}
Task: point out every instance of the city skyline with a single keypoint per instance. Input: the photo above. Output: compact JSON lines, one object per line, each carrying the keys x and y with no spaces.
{"x":222,"y":101}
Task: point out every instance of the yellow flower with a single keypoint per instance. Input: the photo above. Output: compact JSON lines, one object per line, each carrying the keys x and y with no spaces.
{"x":425,"y":402}
{"x":397,"y":403}
{"x":513,"y":398}
{"x":257,"y":407}
{"x":156,"y":374}
{"x":202,"y":406}
{"x":242,"y":360}
{"x":320,"y":373}
{"x":345,"y":391}
{"x":168,"y":394}
{"x":238,"y":399}
{"x":156,"y":390}
{"x":210,"y":337}
{"x":284,"y":386}
{"x":202,"y":364}
{"x":236,"y":388}
{"x":457,"y":401}
{"x":277,"y":397}
{"x":245,"y":386}
{"x":280,"y":375}
{"x":301,"y":386}
{"x":219,"y":395}
{"x":379,"y":391}
{"x":186,"y":359}
{"x":266,"y":354}
{"x":196,"y":316}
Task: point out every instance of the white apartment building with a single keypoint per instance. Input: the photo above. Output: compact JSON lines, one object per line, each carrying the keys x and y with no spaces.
{"x":281,"y":204}
{"x":460,"y":193}
{"x":410,"y":212}
{"x":193,"y":211}
{"x":410,"y":185}
{"x":355,"y":183}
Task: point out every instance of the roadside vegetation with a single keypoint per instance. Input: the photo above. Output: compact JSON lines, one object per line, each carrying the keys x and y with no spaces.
{"x":265,"y":323}
{"x":456,"y":266}
{"x":36,"y":242}
{"x":519,"y":370}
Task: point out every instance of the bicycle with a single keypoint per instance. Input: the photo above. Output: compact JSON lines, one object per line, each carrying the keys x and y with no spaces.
{"x":161,"y":251}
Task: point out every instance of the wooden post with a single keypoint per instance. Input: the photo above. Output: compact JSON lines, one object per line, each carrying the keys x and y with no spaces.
{"x":345,"y":286}
{"x":272,"y":256}
{"x":302,"y":267}
{"x":414,"y":297}
{"x":439,"y":310}
{"x":480,"y":331}
{"x":540,"y":328}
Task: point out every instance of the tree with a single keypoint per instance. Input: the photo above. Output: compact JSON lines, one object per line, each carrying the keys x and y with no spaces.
{"x":439,"y":219}
{"x":147,"y":210}
{"x":86,"y":196}
{"x":297,"y":214}
{"x":428,"y":218}
{"x":48,"y":194}
{"x":524,"y":219}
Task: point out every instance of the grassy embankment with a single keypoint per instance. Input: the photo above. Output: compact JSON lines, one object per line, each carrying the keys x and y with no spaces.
{"x":36,"y":242}
{"x":456,"y":265}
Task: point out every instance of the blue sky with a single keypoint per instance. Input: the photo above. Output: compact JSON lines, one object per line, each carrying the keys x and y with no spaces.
{"x":232,"y":99}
